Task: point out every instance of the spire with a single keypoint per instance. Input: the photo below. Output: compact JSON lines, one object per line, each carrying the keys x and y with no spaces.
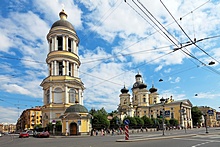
{"x":63,"y":15}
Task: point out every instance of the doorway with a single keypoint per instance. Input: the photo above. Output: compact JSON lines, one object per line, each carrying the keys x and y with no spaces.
{"x":73,"y":128}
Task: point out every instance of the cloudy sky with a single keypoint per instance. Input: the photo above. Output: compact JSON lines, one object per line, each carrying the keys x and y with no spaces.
{"x":172,"y":40}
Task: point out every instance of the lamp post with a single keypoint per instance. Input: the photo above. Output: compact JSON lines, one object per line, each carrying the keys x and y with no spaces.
{"x":206,"y":128}
{"x":162,"y":100}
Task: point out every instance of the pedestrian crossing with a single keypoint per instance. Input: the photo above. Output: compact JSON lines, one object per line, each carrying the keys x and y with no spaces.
{"x":215,"y":136}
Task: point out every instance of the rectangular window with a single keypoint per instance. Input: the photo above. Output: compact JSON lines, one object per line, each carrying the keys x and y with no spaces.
{"x":70,"y":69}
{"x":60,"y":43}
{"x":50,"y":45}
{"x":172,"y":115}
{"x":69,"y":45}
{"x":60,"y":68}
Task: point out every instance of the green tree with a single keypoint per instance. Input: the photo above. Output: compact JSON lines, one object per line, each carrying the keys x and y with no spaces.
{"x":147,"y":121}
{"x":115,"y":123}
{"x":167,"y":122}
{"x":196,"y":115}
{"x":139,"y":121}
{"x":58,"y":126}
{"x":99,"y":120}
{"x":173,"y":122}
{"x":113,"y":113}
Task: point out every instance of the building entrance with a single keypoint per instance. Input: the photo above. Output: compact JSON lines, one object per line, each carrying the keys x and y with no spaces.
{"x":73,"y":129}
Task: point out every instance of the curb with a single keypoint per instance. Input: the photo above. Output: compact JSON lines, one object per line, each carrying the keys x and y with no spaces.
{"x":154,"y":138}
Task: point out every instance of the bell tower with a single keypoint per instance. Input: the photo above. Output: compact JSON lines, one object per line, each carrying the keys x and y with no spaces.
{"x":62,"y":87}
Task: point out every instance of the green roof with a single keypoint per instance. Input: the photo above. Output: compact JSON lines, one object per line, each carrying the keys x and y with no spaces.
{"x":76,"y":108}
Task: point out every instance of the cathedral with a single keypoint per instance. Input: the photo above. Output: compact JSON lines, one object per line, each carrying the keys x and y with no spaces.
{"x":62,"y":88}
{"x":144,"y":102}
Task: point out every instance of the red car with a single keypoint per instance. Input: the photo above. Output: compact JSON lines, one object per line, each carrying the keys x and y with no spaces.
{"x":44,"y":134}
{"x":23,"y":135}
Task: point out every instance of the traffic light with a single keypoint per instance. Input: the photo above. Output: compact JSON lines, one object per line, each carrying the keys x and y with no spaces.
{"x":161,"y":114}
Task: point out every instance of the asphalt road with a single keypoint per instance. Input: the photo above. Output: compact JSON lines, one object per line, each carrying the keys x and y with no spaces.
{"x":200,"y":139}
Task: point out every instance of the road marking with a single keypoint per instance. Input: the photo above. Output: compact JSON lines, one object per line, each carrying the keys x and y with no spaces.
{"x":197,"y":139}
{"x":201,"y":144}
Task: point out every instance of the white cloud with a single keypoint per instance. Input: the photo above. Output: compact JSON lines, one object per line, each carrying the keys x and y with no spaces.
{"x":176,"y":80}
{"x":5,"y":112}
{"x":207,"y":95}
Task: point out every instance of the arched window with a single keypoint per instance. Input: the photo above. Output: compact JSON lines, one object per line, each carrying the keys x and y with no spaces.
{"x":48,"y":97}
{"x":57,"y":95}
{"x":72,"y":95}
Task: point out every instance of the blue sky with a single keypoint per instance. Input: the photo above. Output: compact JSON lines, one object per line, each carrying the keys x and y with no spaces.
{"x":117,"y":40}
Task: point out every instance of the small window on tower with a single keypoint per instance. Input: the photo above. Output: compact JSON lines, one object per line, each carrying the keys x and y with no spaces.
{"x":70,"y":69}
{"x":61,"y":68}
{"x":144,"y":100}
{"x":60,"y":43}
{"x":50,"y":45}
{"x":69,"y":45}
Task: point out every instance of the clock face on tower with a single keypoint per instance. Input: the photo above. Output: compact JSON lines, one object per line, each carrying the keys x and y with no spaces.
{"x":135,"y":85}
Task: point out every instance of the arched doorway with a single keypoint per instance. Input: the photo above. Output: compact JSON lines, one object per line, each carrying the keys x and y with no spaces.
{"x":73,"y":128}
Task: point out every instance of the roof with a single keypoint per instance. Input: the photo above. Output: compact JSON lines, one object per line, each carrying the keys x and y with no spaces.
{"x":63,"y":23}
{"x":76,"y":108}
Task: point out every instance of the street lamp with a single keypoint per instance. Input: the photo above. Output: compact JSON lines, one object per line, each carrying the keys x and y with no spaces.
{"x":206,"y":128}
{"x":162,"y":100}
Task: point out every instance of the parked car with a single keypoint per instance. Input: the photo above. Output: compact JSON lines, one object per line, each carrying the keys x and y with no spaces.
{"x":23,"y":135}
{"x":30,"y":132}
{"x":43,"y":134}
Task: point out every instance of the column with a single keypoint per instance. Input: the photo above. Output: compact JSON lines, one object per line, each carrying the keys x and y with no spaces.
{"x":82,"y":97}
{"x":67,"y":126}
{"x":63,"y":43}
{"x":52,"y":68}
{"x":50,"y":94}
{"x":64,"y":67}
{"x":67,"y":68}
{"x":49,"y":45}
{"x":66,"y":95}
{"x":55,"y":68}
{"x":77,"y":49}
{"x":67,"y":43}
{"x":49,"y":69}
{"x":79,"y":96}
{"x":74,"y":47}
{"x":55,"y":43}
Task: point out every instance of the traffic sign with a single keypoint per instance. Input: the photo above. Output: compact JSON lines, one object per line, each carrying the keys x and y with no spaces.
{"x":167,"y":113}
{"x":127,"y":122}
{"x":53,"y":122}
{"x":210,"y":112}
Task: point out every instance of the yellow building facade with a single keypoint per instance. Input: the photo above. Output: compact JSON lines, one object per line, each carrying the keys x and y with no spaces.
{"x":211,"y":119}
{"x":29,"y":119}
{"x":146,"y":102}
{"x":63,"y":88}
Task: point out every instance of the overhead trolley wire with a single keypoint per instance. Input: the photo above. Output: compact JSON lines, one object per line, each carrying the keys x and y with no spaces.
{"x":188,"y":53}
{"x":194,"y":42}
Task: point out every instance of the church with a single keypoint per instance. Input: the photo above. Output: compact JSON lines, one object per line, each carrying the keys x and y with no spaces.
{"x":144,"y":102}
{"x":62,"y":88}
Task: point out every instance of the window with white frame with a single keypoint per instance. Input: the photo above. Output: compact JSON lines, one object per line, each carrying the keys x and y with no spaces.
{"x":57,"y":95}
{"x":72,"y":95}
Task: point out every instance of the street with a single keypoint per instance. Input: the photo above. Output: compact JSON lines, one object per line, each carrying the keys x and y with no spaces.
{"x":193,"y":138}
